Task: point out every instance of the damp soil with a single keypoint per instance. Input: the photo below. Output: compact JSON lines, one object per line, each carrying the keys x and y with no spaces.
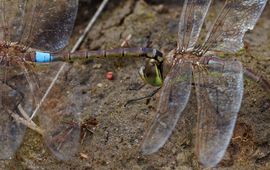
{"x":114,"y":142}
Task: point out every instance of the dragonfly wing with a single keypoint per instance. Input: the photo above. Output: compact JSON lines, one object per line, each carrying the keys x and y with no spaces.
{"x":44,"y":25}
{"x":173,"y":99}
{"x":236,"y":17}
{"x":219,"y":95}
{"x":16,"y":90}
{"x":60,"y":115}
{"x":192,"y":18}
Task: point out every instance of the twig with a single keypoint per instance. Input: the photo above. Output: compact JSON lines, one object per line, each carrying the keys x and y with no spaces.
{"x":27,"y":123}
{"x":47,"y":91}
{"x":125,"y":42}
{"x":89,"y":26}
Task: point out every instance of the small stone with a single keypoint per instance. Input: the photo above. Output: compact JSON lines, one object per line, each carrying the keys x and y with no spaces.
{"x":97,"y":66}
{"x":83,"y":156}
{"x":162,"y":9}
{"x":99,"y":85}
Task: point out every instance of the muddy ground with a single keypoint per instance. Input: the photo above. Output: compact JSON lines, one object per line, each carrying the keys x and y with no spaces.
{"x":115,"y":141}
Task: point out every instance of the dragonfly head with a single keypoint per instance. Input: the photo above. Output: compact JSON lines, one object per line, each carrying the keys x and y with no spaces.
{"x":151,"y":73}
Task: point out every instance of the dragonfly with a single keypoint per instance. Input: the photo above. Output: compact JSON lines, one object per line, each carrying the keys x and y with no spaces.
{"x":24,"y":26}
{"x":32,"y":33}
{"x":218,"y":82}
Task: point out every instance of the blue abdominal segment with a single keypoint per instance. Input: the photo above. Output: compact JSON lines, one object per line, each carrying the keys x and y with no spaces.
{"x":43,"y":57}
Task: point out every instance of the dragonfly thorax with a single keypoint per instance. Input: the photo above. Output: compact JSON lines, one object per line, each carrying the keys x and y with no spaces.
{"x":175,"y":55}
{"x":12,"y":53}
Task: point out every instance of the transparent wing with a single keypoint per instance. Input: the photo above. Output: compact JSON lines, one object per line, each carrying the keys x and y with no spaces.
{"x":236,"y":17}
{"x":173,"y":99}
{"x":44,"y":25}
{"x":219,"y":95}
{"x":192,"y":18}
{"x":16,"y":98}
{"x":60,"y":114}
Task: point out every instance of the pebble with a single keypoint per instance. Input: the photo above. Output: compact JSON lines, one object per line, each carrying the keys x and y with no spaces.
{"x":97,"y":66}
{"x":83,"y":156}
{"x":99,"y":85}
{"x":162,"y":9}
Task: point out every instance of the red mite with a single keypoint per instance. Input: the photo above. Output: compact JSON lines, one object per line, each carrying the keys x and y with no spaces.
{"x":109,"y":75}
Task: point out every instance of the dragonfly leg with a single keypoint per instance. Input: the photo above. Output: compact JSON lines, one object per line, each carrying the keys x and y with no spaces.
{"x":139,"y":87}
{"x":142,"y":98}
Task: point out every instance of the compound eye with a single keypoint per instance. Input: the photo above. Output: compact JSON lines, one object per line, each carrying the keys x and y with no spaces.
{"x":150,"y":74}
{"x":153,"y":62}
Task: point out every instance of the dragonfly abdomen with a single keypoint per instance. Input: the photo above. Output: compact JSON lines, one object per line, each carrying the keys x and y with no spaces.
{"x":113,"y":53}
